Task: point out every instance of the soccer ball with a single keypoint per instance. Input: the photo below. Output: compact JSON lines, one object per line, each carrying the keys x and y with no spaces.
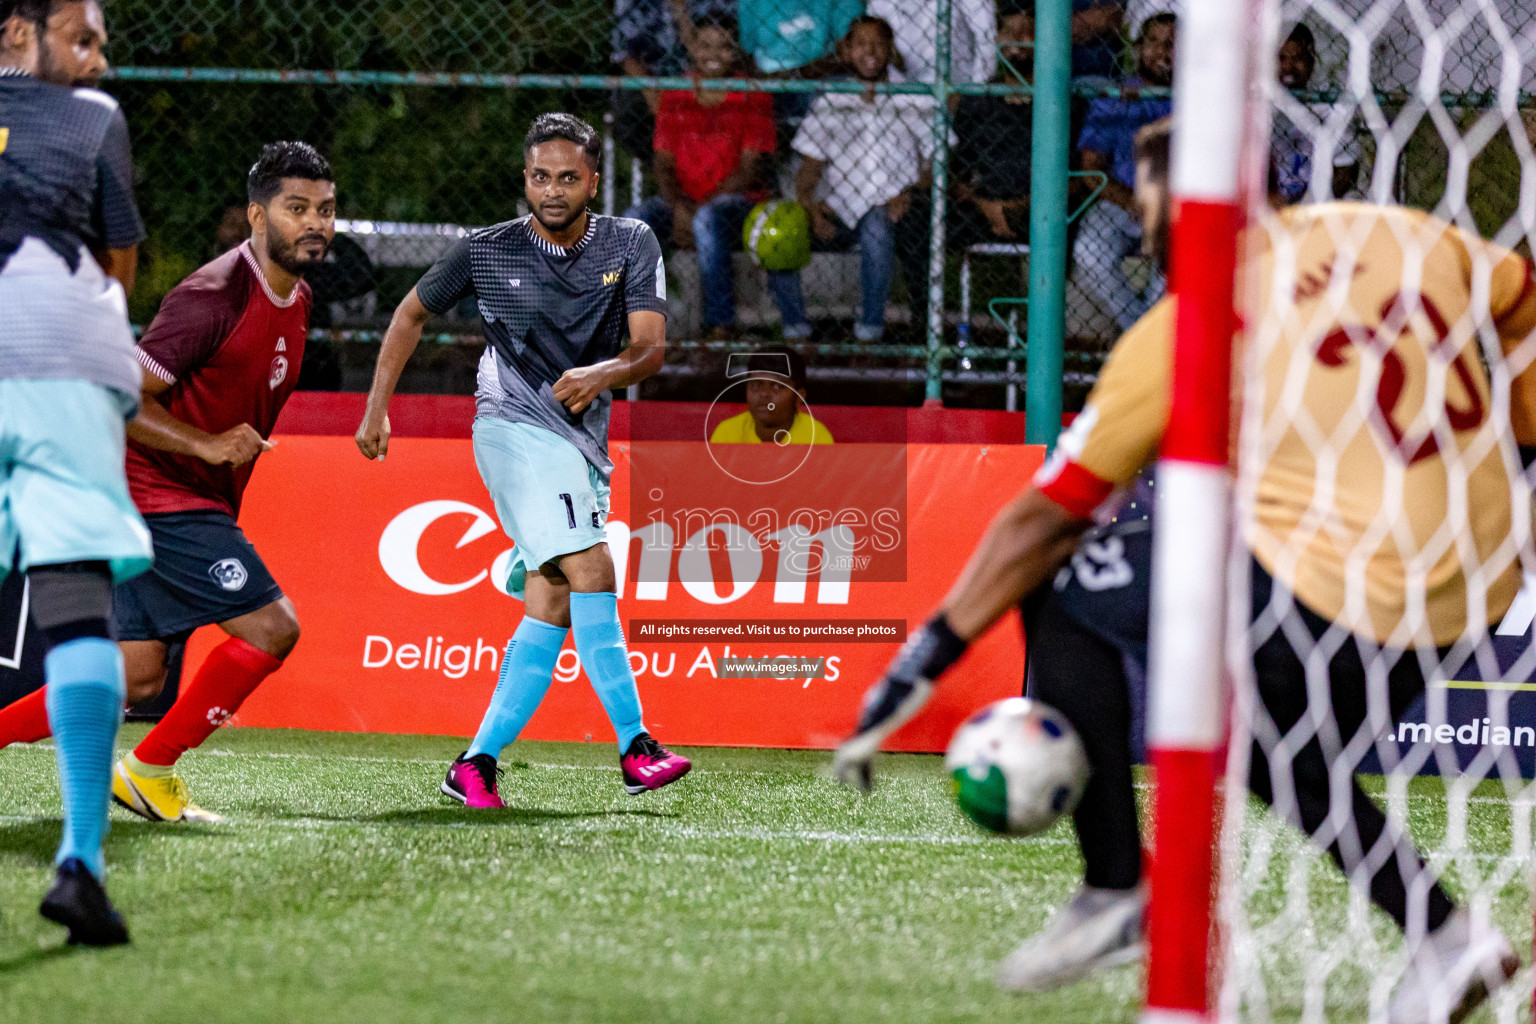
{"x":1017,"y":766}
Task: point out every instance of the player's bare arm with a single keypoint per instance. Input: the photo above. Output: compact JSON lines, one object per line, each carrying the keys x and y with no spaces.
{"x":400,"y":342}
{"x":122,"y":264}
{"x":807,"y":180}
{"x":749,"y":174}
{"x":1115,"y":192}
{"x":155,"y":427}
{"x":1026,"y":543}
{"x":579,"y":387}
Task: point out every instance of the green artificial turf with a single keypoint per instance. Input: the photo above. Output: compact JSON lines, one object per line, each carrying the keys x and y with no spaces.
{"x":346,"y":889}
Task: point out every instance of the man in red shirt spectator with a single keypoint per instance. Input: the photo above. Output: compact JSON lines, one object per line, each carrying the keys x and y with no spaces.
{"x":712,"y":150}
{"x":219,"y":361}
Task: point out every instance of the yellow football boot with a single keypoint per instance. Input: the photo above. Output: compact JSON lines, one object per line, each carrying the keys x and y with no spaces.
{"x":158,"y":799}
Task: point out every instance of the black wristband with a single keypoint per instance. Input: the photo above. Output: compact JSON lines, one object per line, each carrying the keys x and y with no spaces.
{"x":1527,"y":454}
{"x":929,"y":652}
{"x":925,"y":656}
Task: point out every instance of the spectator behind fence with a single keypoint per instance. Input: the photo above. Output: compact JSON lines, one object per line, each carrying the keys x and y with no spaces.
{"x":712,"y":152}
{"x":345,"y":274}
{"x":863,"y":155}
{"x":234,"y":228}
{"x":1292,"y":145}
{"x":794,"y":39}
{"x":989,"y":165}
{"x":647,"y":42}
{"x":972,"y":37}
{"x":1138,"y":12}
{"x":1111,"y":229}
{"x":776,"y":407}
{"x":994,"y":134}
{"x":1096,"y":42}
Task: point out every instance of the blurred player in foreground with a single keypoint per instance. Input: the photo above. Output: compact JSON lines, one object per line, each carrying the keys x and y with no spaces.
{"x":1077,"y":637}
{"x":219,"y":361}
{"x":558,"y":291}
{"x":68,"y":382}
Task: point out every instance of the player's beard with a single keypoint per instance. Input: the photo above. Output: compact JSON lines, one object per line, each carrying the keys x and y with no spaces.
{"x":286,"y":254}
{"x":45,"y":68}
{"x":555,"y":227}
{"x":49,"y":71}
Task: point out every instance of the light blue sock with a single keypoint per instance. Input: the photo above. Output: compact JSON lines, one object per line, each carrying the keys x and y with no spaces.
{"x":526,"y":671}
{"x":600,"y":643}
{"x":85,"y":707}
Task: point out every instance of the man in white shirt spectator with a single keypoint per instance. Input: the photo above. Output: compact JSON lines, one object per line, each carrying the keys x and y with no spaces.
{"x":972,"y":38}
{"x":862,"y":156}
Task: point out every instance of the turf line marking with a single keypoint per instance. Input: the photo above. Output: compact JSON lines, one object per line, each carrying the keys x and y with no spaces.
{"x":48,"y":748}
{"x":303,"y":824}
{"x":669,"y":831}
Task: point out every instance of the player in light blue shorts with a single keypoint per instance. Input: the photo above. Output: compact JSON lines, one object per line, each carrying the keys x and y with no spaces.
{"x":558,"y":292}
{"x":549,"y":498}
{"x":68,"y":378}
{"x":63,"y":495}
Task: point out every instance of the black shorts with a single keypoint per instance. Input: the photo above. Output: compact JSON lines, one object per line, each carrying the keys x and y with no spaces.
{"x":205,"y":572}
{"x":1107,"y":586}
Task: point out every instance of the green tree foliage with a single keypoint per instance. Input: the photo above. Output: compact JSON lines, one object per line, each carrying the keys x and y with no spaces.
{"x":401,"y":153}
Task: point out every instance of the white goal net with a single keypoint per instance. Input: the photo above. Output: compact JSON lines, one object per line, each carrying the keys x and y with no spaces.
{"x":1378,"y":628}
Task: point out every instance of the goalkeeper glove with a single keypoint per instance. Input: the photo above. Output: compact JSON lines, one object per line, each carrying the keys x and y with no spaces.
{"x":899,"y":695}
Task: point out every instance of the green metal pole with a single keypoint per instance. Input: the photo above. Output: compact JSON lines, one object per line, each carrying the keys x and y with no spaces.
{"x":1048,"y":221}
{"x":934,"y":390}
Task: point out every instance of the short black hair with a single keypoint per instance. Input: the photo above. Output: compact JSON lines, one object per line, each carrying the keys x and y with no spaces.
{"x":880,"y":24}
{"x":548,"y":127}
{"x":720,"y":20}
{"x":772,"y":360}
{"x":1010,"y":8}
{"x":281,"y":160}
{"x":1302,"y":36}
{"x":36,"y":11}
{"x":1160,"y":18}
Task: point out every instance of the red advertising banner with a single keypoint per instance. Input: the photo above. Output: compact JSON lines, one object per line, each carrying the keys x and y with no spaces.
{"x":393,"y":568}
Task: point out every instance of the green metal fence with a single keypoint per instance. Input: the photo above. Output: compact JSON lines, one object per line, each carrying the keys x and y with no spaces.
{"x":422,"y":106}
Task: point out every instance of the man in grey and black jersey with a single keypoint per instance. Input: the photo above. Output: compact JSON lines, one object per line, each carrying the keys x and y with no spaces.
{"x":69,"y":234}
{"x":558,"y":291}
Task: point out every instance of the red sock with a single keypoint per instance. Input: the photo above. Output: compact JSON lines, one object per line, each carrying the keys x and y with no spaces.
{"x":232,"y":671}
{"x":26,"y":720}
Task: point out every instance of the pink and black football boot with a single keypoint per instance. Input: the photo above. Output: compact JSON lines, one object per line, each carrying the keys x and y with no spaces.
{"x":472,"y":781}
{"x":649,"y":765}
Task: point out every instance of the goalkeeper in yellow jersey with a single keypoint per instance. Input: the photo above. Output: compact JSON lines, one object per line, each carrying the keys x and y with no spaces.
{"x":1350,"y":554}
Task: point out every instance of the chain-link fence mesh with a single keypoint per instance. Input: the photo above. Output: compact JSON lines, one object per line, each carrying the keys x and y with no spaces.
{"x":422,"y":107}
{"x":1377,"y":459}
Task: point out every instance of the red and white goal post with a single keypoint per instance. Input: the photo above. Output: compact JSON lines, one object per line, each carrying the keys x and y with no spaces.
{"x":1247,"y":920}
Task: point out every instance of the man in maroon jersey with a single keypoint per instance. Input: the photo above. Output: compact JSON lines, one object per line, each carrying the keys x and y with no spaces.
{"x":220,"y":359}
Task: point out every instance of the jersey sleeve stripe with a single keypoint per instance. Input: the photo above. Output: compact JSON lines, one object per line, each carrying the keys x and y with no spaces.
{"x":1074,"y":488}
{"x":148,"y":362}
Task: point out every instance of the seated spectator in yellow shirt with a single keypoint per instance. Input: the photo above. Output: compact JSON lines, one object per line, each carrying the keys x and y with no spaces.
{"x":774,"y":404}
